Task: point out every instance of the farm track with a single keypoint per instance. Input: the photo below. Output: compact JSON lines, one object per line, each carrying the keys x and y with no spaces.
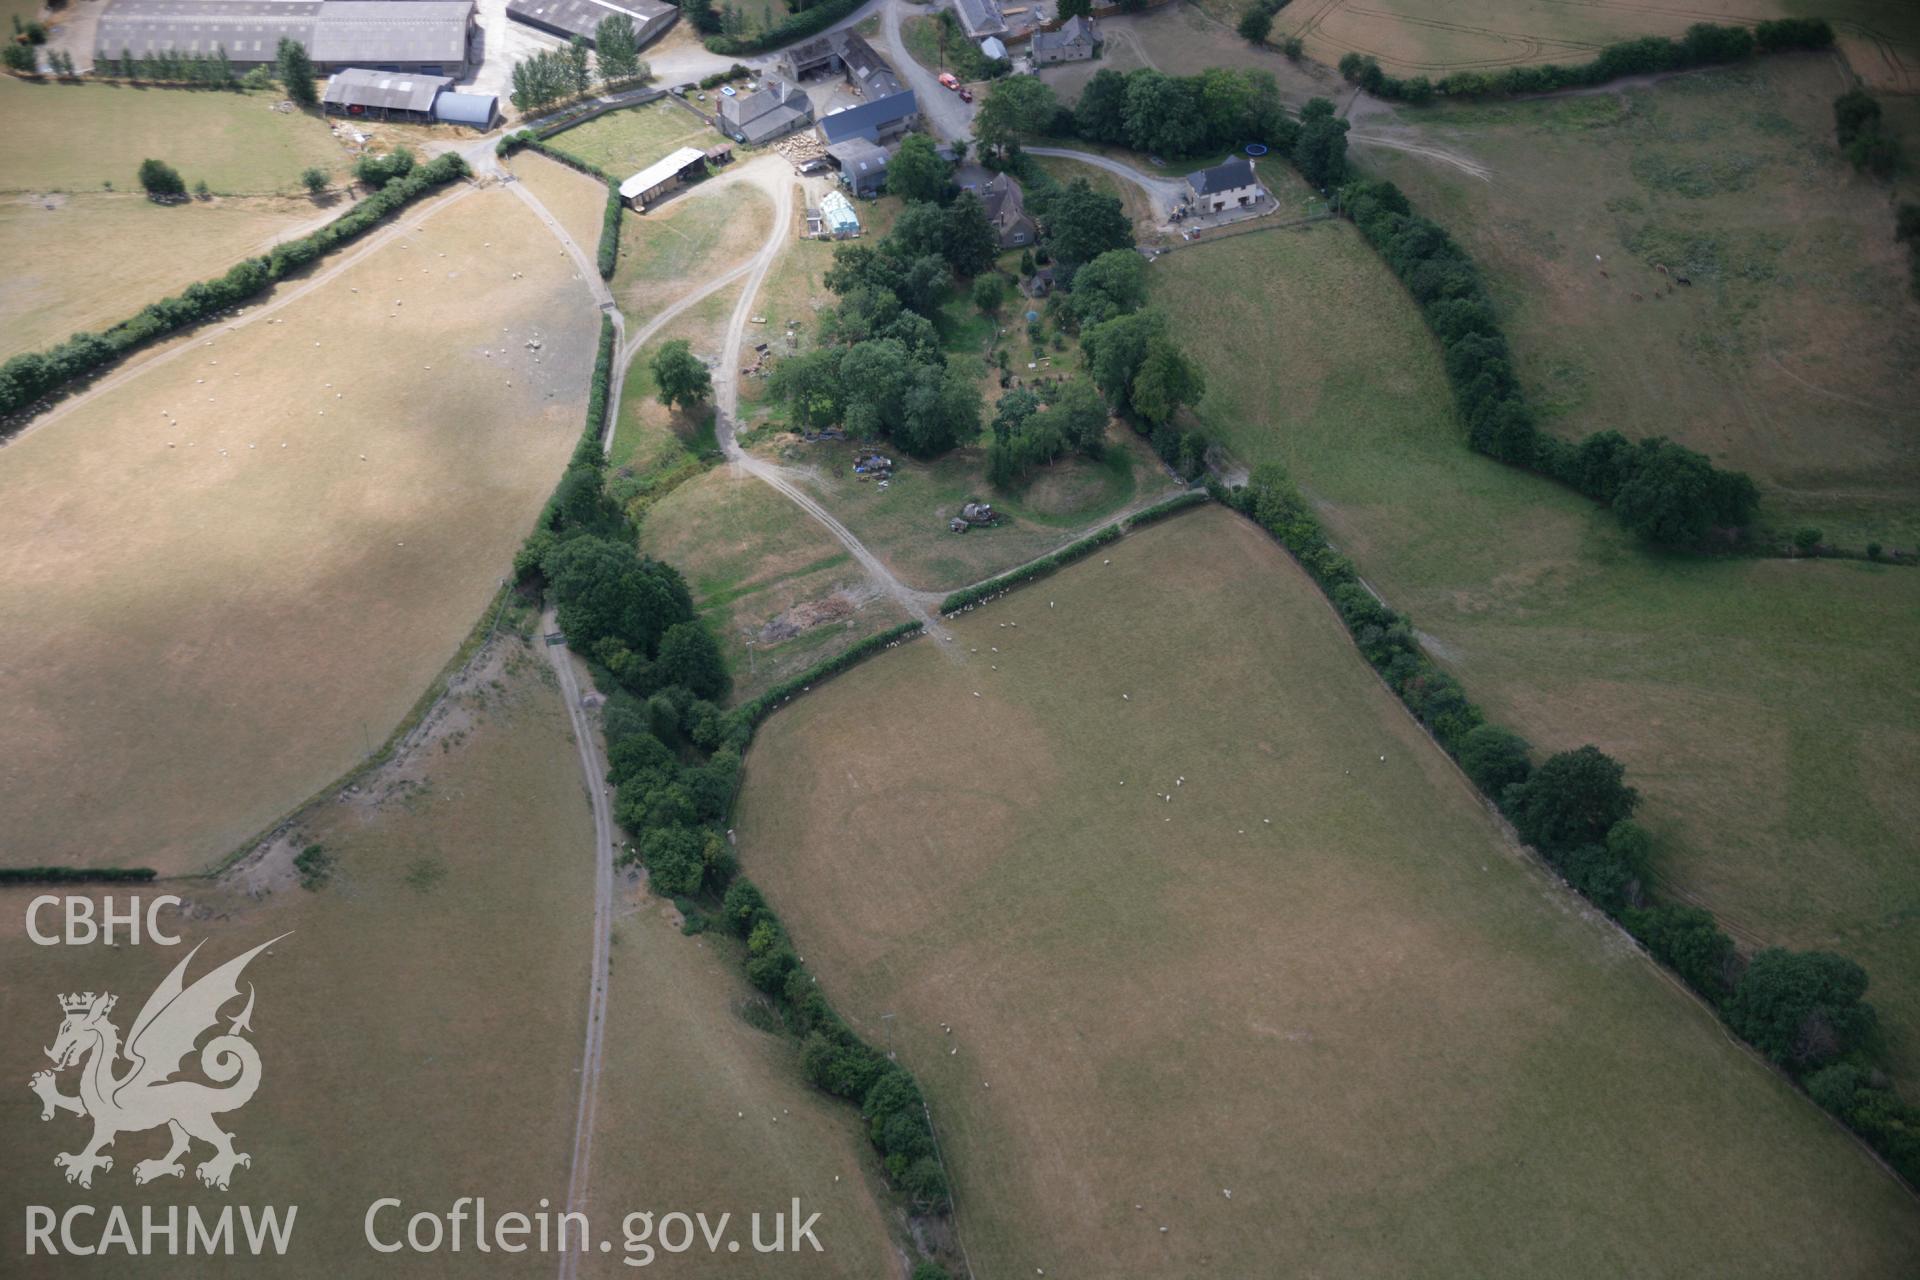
{"x":594,"y":771}
{"x":183,"y":343}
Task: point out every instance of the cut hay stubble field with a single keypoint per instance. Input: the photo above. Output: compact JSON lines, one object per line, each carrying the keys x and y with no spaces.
{"x":202,"y":635}
{"x":1764,"y":708}
{"x":88,"y":261}
{"x":1373,"y":1022}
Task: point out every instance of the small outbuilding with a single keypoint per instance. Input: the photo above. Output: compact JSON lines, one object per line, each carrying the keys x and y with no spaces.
{"x":863,"y":165}
{"x":383,"y":95}
{"x":476,"y":110}
{"x":662,"y":177}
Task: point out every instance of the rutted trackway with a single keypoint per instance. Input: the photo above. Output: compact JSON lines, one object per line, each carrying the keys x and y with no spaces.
{"x":768,"y":174}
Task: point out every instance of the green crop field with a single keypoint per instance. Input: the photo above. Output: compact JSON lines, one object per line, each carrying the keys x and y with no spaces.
{"x":1792,"y":353}
{"x":79,"y":137}
{"x":1765,"y":708}
{"x":1312,"y":1015}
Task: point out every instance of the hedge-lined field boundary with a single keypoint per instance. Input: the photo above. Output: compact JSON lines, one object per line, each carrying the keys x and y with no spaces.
{"x":76,"y":875}
{"x":607,"y":255}
{"x":1612,"y":874}
{"x":981,"y":592}
{"x":1705,"y":44}
{"x":754,"y":712}
{"x":27,"y":379}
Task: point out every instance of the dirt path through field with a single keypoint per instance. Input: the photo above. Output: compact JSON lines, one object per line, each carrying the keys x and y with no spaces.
{"x":595,"y":772}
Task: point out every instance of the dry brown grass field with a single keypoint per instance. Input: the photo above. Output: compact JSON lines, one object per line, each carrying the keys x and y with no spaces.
{"x":230,"y":575}
{"x":420,"y":1030}
{"x":88,"y":261}
{"x":577,"y":200}
{"x":701,"y":1112}
{"x":1881,"y":38}
{"x":1794,"y":353}
{"x":700,"y":233}
{"x":1312,"y":1015}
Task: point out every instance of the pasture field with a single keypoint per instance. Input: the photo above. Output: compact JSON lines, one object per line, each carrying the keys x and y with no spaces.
{"x":1372,"y":1021}
{"x":77,"y":137}
{"x":648,"y":439}
{"x":577,"y":200}
{"x":765,"y":576}
{"x":701,"y":1112}
{"x":87,"y":261}
{"x":699,"y":234}
{"x":420,"y":1030}
{"x":906,"y":523}
{"x":1794,"y":352}
{"x":1764,"y":708}
{"x":232,"y":570}
{"x":1183,"y":40}
{"x":1881,"y":38}
{"x":622,"y":143}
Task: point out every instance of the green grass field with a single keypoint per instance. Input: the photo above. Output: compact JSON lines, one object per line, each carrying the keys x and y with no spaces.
{"x":419,"y":1031}
{"x":1371,"y":1020}
{"x":906,"y":523}
{"x":1765,"y":708}
{"x":779,"y":592}
{"x":622,"y":143}
{"x":78,"y":137}
{"x":1793,"y":352}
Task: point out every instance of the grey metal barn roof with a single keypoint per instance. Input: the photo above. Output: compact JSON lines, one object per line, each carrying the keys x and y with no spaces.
{"x":384,"y":90}
{"x":1237,"y":172}
{"x":476,"y":109}
{"x":867,"y":119}
{"x":385,"y":31}
{"x":336,"y":31}
{"x":249,"y":30}
{"x":582,"y":17}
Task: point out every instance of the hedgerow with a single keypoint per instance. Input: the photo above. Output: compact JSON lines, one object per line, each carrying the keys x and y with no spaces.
{"x":674,"y":758}
{"x":750,"y":714}
{"x":1704,"y":44}
{"x":26,"y":378}
{"x":1662,"y":491}
{"x":1028,"y":572}
{"x":75,"y":875}
{"x":808,"y":22}
{"x":1802,"y":1010}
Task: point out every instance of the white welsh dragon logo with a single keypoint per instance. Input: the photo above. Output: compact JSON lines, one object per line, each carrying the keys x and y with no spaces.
{"x":146,"y":1096}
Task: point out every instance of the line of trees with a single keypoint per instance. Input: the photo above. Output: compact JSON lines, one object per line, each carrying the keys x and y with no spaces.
{"x":209,"y":70}
{"x":1803,"y":1010}
{"x":1150,"y":111}
{"x":557,"y":75}
{"x":1662,"y":491}
{"x":1704,"y":44}
{"x":674,"y":761}
{"x":27,"y":378}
